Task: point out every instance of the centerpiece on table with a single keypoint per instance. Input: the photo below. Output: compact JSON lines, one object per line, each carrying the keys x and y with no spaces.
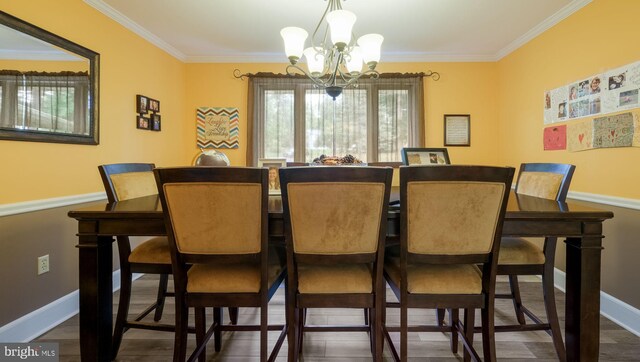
{"x":347,"y":160}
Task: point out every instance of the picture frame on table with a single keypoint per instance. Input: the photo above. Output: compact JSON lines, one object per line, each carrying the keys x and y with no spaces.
{"x":156,"y":123}
{"x":142,"y":104}
{"x":274,"y":165}
{"x":457,"y":130}
{"x":142,"y":122}
{"x":425,"y":156}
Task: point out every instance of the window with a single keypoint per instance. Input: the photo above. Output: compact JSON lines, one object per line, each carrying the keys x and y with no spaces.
{"x":292,"y":119}
{"x":46,"y":103}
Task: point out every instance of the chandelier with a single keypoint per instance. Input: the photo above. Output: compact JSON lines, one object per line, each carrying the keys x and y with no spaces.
{"x":334,"y":59}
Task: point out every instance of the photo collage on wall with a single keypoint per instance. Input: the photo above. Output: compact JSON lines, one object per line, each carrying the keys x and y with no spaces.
{"x":593,"y":98}
{"x":148,"y":116}
{"x":609,"y":92}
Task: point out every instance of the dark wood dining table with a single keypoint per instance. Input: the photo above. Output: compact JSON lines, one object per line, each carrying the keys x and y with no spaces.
{"x":526,"y":216}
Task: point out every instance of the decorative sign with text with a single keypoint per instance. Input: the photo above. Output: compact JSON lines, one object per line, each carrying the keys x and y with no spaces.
{"x":217,"y":127}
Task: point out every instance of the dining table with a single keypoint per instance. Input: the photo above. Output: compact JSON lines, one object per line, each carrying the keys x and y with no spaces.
{"x":526,"y":216}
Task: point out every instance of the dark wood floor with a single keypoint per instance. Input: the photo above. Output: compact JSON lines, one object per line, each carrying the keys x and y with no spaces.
{"x":616,"y":344}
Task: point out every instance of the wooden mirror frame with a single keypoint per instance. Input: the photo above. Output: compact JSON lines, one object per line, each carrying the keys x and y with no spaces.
{"x":93,"y":138}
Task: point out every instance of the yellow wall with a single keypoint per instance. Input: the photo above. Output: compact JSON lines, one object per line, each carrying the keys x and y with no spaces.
{"x":467,"y":88}
{"x":601,"y":36}
{"x":129,"y":66}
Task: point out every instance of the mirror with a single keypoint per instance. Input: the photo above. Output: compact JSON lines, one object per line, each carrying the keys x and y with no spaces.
{"x":48,"y":86}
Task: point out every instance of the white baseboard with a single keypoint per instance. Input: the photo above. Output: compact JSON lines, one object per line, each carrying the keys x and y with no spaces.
{"x":40,"y":321}
{"x":617,"y":311}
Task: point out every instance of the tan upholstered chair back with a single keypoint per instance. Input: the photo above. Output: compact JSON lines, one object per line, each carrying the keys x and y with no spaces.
{"x":215,"y":217}
{"x":335,"y":217}
{"x":130,"y":185}
{"x":540,"y":184}
{"x":452,"y":217}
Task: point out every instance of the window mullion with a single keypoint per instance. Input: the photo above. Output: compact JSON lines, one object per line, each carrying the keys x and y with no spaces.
{"x":299,"y":123}
{"x":372,"y":123}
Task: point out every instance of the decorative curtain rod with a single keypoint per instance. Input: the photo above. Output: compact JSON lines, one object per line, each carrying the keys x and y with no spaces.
{"x":239,"y":75}
{"x":48,"y":74}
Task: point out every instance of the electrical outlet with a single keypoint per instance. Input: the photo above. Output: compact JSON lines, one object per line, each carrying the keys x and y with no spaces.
{"x":43,"y":264}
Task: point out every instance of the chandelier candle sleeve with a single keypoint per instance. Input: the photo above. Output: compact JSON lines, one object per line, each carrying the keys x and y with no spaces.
{"x":341,"y":23}
{"x":294,"y":42}
{"x":334,"y":59}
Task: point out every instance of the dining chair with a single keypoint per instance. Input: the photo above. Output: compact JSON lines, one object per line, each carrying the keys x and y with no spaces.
{"x":450,"y":225}
{"x":519,"y":256}
{"x":216,"y":220}
{"x":335,"y":228}
{"x":123,"y":181}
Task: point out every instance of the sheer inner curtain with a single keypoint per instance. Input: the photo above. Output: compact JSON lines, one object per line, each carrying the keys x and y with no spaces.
{"x":290,"y":118}
{"x":49,"y":102}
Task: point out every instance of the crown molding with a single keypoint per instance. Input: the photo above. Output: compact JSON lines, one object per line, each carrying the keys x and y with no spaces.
{"x":135,"y":27}
{"x":554,"y":19}
{"x":386,"y":58}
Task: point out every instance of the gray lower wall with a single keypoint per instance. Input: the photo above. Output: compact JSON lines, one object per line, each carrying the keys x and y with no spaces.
{"x":620,"y":257}
{"x":25,"y":237}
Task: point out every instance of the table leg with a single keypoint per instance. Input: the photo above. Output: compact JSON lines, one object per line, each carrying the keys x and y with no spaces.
{"x":94,"y":256}
{"x":582,"y":308}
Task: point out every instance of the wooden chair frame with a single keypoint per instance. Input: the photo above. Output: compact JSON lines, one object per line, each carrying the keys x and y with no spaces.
{"x":127,"y":268}
{"x":182,"y":261}
{"x":546,"y":270}
{"x":373,"y":303}
{"x":552,"y":327}
{"x":486,"y":261}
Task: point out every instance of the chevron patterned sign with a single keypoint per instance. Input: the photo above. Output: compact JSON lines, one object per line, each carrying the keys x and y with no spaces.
{"x":217,"y":127}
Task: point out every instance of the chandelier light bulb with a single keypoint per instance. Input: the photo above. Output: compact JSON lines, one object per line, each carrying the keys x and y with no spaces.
{"x":370,"y":45}
{"x":315,"y":61}
{"x":354,"y":60}
{"x":294,"y":39}
{"x":341,"y":24}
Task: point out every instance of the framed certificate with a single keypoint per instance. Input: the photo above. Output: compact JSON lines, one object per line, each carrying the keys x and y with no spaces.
{"x":457,"y":130}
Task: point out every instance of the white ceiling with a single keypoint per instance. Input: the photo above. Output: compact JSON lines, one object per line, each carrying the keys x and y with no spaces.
{"x":15,"y":45}
{"x":414,"y":30}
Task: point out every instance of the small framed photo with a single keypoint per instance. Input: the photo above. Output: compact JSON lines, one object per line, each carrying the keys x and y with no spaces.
{"x":457,"y":130}
{"x":142,"y":104}
{"x":154,"y":105}
{"x":156,"y":124}
{"x":274,"y":164}
{"x":425,"y":156}
{"x":142,"y":122}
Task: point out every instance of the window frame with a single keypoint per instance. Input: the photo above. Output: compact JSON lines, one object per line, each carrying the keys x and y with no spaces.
{"x":299,"y":85}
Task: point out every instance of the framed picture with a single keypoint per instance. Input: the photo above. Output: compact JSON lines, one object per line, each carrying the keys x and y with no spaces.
{"x":154,"y":105}
{"x":425,"y":156}
{"x":155,"y":124}
{"x":142,"y":122}
{"x":142,"y":104}
{"x":274,"y":164}
{"x":457,"y":130}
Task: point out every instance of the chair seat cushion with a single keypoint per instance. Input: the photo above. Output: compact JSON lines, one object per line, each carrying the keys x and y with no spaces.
{"x":228,"y":278}
{"x":437,"y":279}
{"x":152,"y":251}
{"x":519,"y":251}
{"x":327,"y":279}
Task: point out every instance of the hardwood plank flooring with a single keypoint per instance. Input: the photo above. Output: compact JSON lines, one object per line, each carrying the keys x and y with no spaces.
{"x":616,"y":344}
